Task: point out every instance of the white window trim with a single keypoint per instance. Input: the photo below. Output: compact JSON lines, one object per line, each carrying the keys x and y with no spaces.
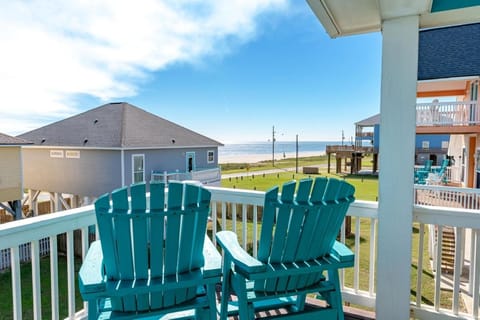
{"x":208,"y":152}
{"x":133,"y":166}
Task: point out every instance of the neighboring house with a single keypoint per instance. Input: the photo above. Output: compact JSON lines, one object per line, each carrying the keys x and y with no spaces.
{"x":448,"y":81}
{"x":448,"y":78}
{"x":11,"y":182}
{"x":112,"y":146}
{"x":427,"y":146}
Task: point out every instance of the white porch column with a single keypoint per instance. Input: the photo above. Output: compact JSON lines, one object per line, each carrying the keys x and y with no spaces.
{"x":397,"y":150}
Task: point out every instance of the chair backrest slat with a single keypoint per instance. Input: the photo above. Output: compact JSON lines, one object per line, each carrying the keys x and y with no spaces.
{"x":312,"y":217}
{"x":268,"y":220}
{"x":187,"y":229}
{"x":157,"y":233}
{"x":105,"y":226}
{"x":297,"y":220}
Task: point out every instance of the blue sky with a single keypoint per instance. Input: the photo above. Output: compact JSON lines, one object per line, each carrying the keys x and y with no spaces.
{"x":229,"y":70}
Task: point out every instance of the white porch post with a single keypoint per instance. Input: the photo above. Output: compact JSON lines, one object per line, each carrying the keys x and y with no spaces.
{"x":397,"y":149}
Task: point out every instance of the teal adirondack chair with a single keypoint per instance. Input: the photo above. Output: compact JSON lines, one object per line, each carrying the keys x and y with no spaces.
{"x":297,"y":248}
{"x":153,"y":256}
{"x":422,"y":174}
{"x":441,"y":171}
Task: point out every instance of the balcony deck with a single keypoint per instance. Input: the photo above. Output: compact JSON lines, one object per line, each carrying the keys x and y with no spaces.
{"x":461,"y":117}
{"x":240,"y":210}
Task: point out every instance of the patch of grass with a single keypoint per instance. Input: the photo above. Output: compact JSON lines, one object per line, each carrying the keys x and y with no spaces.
{"x":267,"y":164}
{"x":6,"y":303}
{"x":366,"y":186}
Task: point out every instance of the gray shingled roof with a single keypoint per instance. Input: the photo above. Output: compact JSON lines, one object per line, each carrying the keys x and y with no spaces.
{"x":449,"y":52}
{"x":6,"y":140}
{"x":369,"y":122}
{"x":117,"y":125}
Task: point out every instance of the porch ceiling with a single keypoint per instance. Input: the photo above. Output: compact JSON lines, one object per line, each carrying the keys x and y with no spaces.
{"x":348,"y":17}
{"x":443,"y":87}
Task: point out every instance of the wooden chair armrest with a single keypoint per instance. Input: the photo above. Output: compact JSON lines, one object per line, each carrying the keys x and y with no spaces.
{"x":243,"y":262}
{"x":91,"y":276}
{"x":341,"y":252}
{"x":213,"y":260}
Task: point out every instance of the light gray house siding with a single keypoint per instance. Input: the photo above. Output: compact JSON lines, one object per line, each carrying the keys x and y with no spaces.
{"x":93,"y":173}
{"x":169,"y":160}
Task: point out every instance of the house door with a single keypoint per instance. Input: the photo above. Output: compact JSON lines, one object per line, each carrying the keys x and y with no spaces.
{"x":472,"y":143}
{"x":190,"y":161}
{"x":474,"y":109}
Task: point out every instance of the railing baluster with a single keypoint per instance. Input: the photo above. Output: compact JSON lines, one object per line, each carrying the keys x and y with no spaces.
{"x":234,"y":217}
{"x":476,"y":274}
{"x":244,"y":225}
{"x":70,"y":274}
{"x":373,"y":237}
{"x":214,"y":222}
{"x":16,"y":284}
{"x":457,"y":270}
{"x":342,"y":240}
{"x":356,"y":267}
{"x":438,"y":268}
{"x":85,"y":240}
{"x":255,"y":230}
{"x":36,"y":292}
{"x":54,"y":277}
{"x":224,"y":216}
{"x":421,"y":236}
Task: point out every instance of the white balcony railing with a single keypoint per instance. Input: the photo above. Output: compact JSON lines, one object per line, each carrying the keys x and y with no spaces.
{"x":461,"y":113}
{"x":211,"y":176}
{"x":240,"y":210}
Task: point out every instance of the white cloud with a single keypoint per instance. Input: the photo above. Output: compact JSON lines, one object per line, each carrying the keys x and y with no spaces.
{"x":54,"y":50}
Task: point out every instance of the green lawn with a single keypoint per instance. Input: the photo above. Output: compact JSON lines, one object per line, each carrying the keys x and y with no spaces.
{"x":6,"y":303}
{"x":366,"y":186}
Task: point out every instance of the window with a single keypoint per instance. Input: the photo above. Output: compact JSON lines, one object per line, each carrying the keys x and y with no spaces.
{"x":138,"y":168}
{"x":425,"y":144}
{"x":210,"y":156}
{"x":444,"y":144}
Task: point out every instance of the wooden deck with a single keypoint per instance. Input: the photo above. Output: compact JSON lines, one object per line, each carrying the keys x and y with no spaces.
{"x":350,"y":312}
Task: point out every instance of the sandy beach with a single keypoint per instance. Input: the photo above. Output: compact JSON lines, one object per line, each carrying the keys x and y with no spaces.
{"x":252,"y":158}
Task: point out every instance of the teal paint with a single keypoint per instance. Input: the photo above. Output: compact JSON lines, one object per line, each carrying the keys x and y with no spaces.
{"x":445,"y":5}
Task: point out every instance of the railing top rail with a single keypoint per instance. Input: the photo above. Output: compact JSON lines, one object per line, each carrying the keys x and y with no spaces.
{"x":454,"y":217}
{"x":30,"y":229}
{"x":441,"y":188}
{"x":448,"y":103}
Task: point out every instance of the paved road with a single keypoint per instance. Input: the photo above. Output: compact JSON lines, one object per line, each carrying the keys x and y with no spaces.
{"x":269,"y":171}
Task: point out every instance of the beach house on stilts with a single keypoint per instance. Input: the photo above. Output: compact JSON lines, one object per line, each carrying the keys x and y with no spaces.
{"x":111,"y":146}
{"x":11,"y":175}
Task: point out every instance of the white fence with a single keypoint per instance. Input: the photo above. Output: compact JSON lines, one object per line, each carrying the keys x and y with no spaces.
{"x":24,"y":251}
{"x":206,"y":176}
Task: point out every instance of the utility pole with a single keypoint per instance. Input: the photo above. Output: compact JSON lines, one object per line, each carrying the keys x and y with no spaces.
{"x":296,"y":155}
{"x":343,"y":137}
{"x":273,"y":146}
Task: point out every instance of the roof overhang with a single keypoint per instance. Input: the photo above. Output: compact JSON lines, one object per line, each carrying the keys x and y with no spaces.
{"x":444,"y":87}
{"x":349,"y":17}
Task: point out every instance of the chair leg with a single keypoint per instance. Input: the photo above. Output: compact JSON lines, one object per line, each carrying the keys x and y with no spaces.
{"x":336,"y":295}
{"x":226,"y":285}
{"x":92,"y":309}
{"x":212,"y":304}
{"x":300,"y":304}
{"x":245,"y":309}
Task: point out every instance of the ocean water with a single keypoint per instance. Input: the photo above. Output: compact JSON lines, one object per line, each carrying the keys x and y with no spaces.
{"x":263,"y":150}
